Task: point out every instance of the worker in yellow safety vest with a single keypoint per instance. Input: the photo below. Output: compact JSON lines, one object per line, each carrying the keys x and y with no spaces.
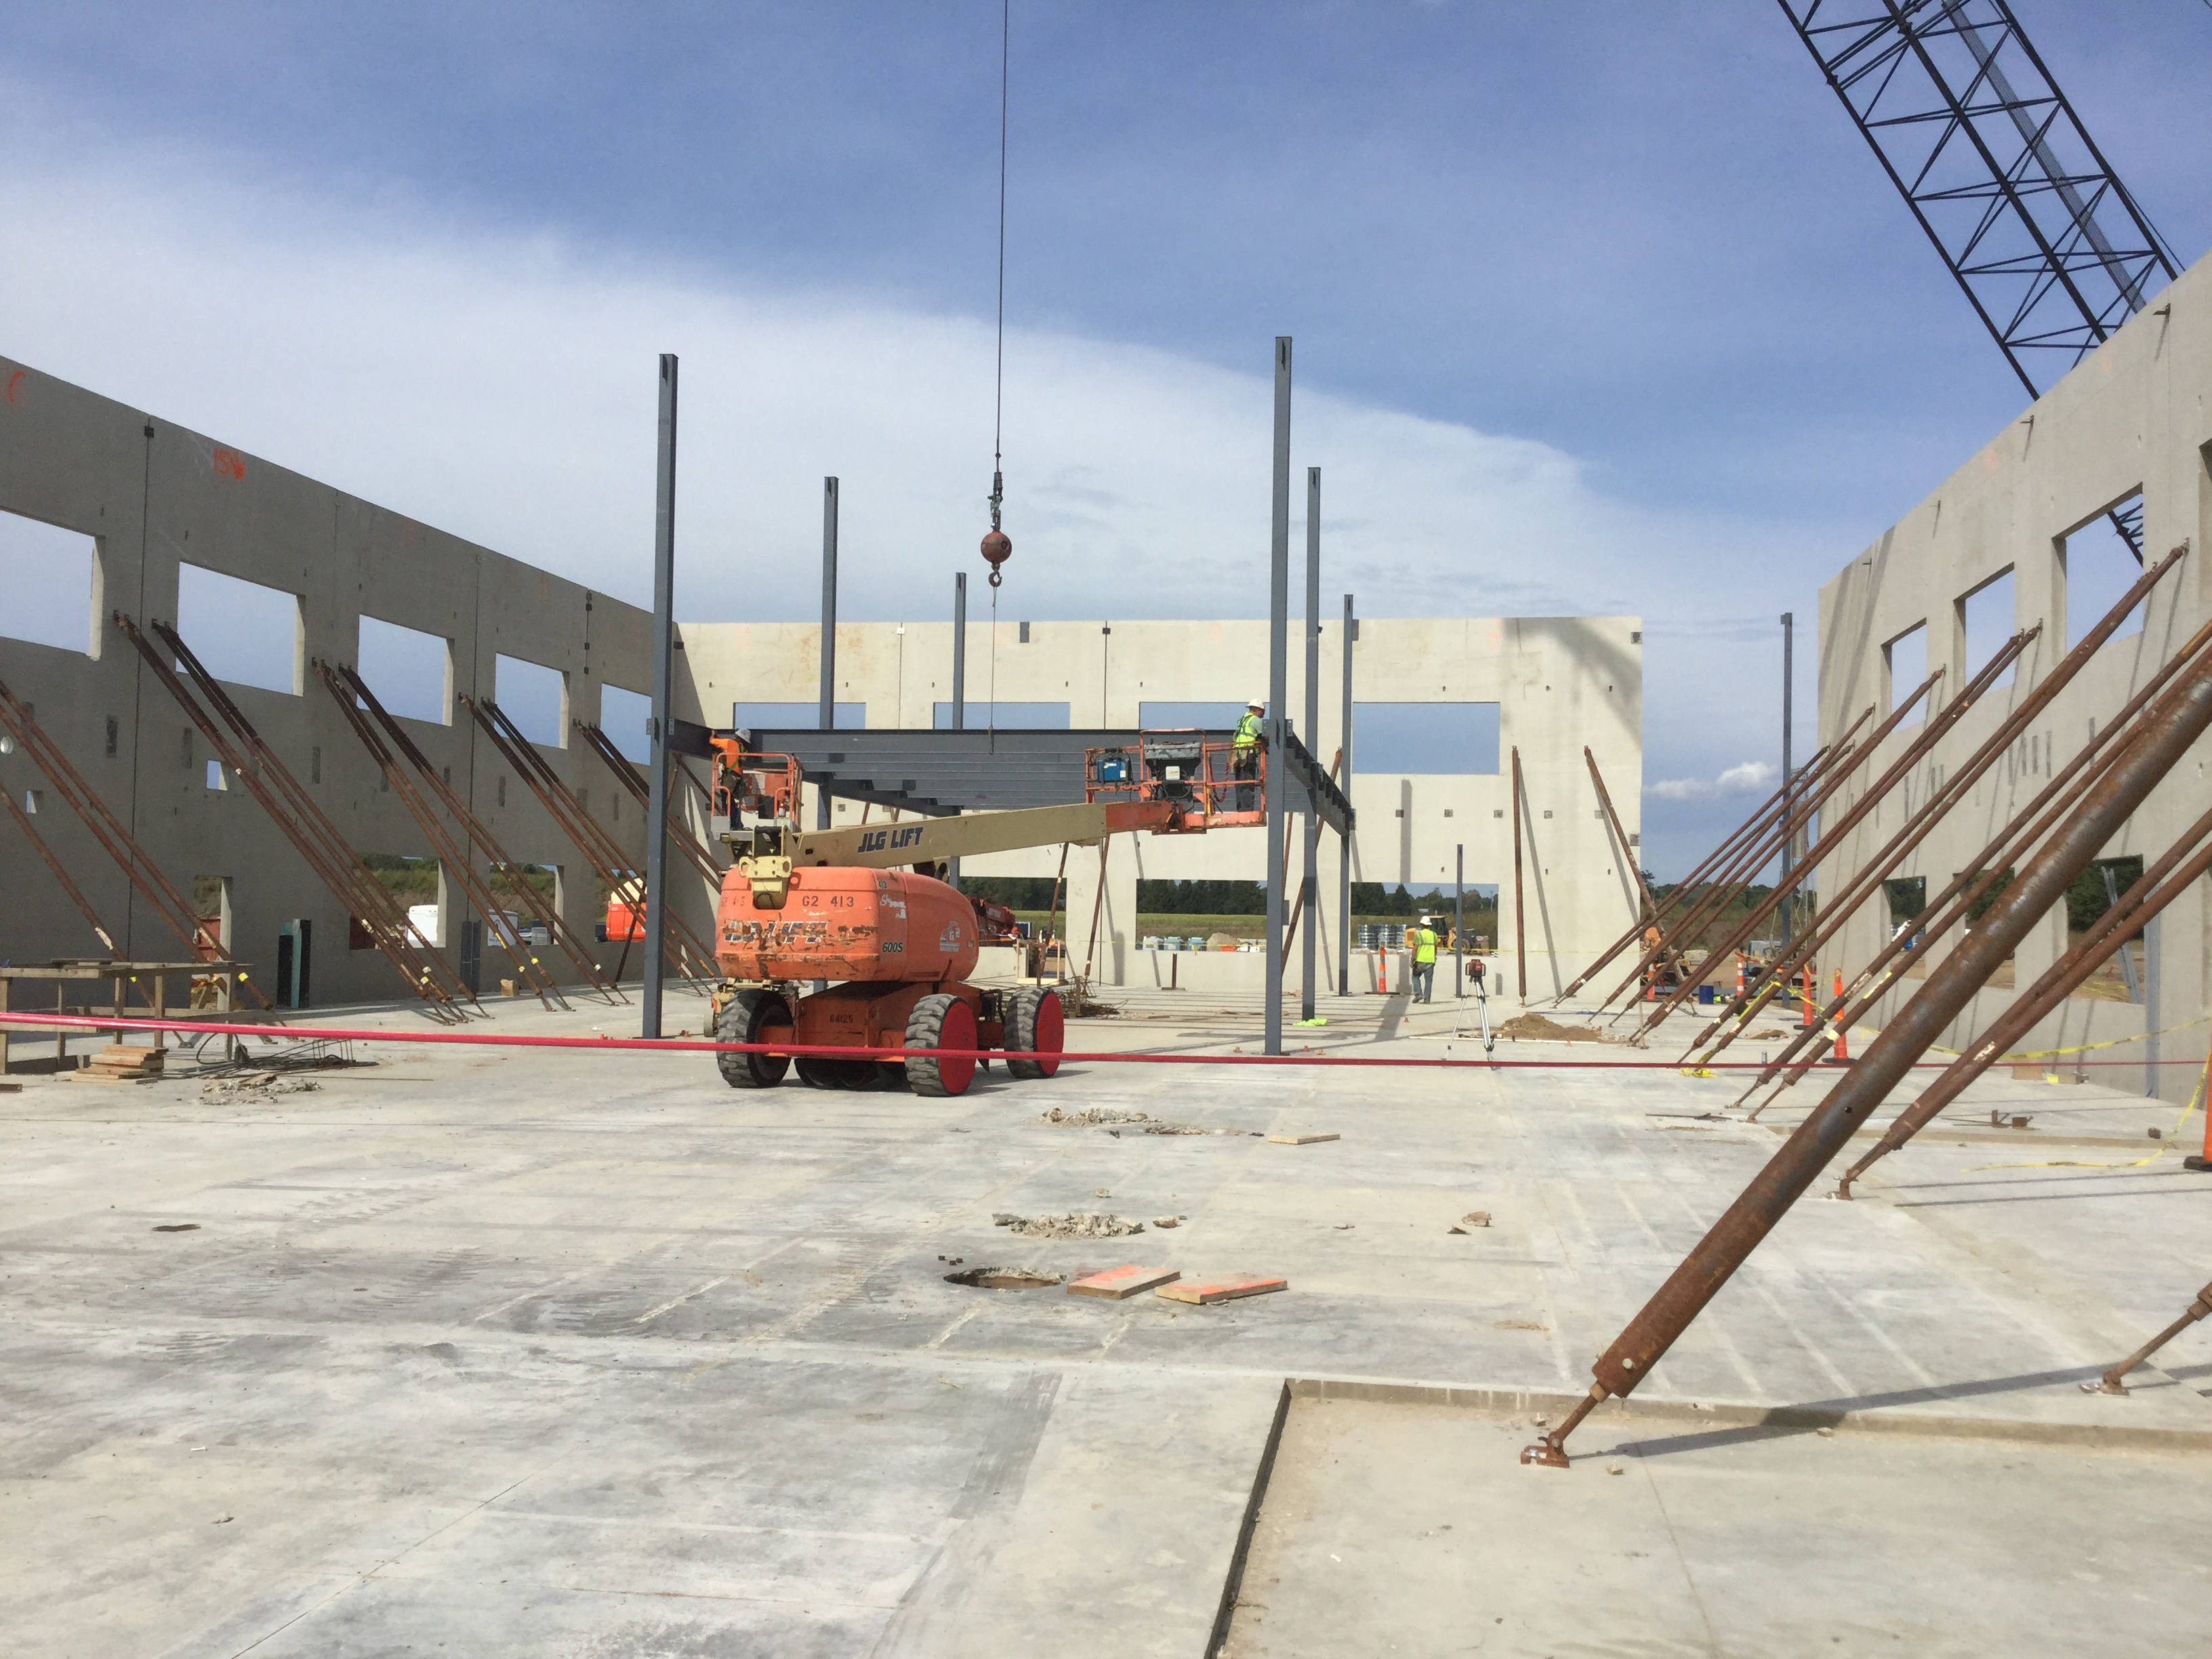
{"x":1244,"y":756}
{"x":1422,"y":940}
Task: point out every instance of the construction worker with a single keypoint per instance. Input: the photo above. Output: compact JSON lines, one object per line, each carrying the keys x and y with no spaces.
{"x":1244,"y":756}
{"x":1422,"y":940}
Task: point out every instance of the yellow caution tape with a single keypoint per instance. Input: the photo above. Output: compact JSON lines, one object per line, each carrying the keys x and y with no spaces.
{"x":1695,"y":1070}
{"x":2081,"y":1048}
{"x":2165,"y":1146}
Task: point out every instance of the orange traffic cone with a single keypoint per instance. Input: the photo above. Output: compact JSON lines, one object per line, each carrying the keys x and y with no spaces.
{"x":1806,"y":991}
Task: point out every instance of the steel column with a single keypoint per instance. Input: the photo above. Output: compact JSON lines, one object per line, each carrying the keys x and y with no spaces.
{"x":1789,"y":845}
{"x":960,"y":670}
{"x":1519,"y":926}
{"x":1278,"y":622}
{"x":1343,"y":841}
{"x":829,"y":710}
{"x":663,"y":702}
{"x":1310,"y":887}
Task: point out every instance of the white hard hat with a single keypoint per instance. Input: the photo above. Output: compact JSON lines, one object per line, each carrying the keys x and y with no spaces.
{"x":1257,"y":702}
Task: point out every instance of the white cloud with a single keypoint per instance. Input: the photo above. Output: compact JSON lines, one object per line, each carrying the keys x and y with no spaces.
{"x":1746,"y":778}
{"x":501,"y":386}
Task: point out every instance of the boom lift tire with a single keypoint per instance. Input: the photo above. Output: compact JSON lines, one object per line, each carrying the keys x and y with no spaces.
{"x":859,"y":1075}
{"x":940,"y":1021}
{"x":742,"y":1019}
{"x":1037,"y":1027}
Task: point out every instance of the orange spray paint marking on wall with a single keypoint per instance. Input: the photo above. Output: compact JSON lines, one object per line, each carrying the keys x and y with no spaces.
{"x":230,"y":464}
{"x":12,"y":392}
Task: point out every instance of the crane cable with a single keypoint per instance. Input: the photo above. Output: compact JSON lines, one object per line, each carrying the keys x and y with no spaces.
{"x":999,"y":371}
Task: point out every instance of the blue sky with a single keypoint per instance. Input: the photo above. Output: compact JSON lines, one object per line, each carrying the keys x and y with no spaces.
{"x":1597,"y":306}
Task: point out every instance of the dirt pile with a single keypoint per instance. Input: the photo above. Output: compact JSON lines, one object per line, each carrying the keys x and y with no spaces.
{"x":1535,"y":1027}
{"x":1073,"y":1224}
{"x":257,"y":1086}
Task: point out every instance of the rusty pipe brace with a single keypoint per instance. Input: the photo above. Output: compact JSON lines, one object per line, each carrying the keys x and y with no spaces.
{"x":2184,"y":715}
{"x":2110,"y":1381}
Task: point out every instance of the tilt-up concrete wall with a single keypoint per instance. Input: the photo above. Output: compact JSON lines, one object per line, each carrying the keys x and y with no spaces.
{"x":2130,"y":420}
{"x":1560,"y":684}
{"x":149,"y":497}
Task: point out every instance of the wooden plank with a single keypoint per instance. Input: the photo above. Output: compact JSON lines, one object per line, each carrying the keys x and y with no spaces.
{"x":1301,"y":1141}
{"x":1118,"y":1282}
{"x":1221,"y":1290}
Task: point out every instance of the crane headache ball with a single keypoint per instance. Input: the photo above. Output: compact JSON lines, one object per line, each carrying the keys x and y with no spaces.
{"x":998,"y":548}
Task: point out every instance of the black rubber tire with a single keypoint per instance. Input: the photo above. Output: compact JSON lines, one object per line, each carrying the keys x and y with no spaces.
{"x":743,"y":1016}
{"x":925,"y":1027}
{"x":821,"y":1073}
{"x":1022,"y":1008}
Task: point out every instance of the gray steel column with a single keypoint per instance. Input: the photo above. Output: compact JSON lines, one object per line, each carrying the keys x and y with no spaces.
{"x":1278,"y":691}
{"x":1459,"y":920}
{"x":828,"y":720}
{"x":1788,"y":844}
{"x":1344,"y":842}
{"x":1310,"y":888}
{"x":959,"y":670}
{"x":663,"y":657}
{"x":960,"y":650}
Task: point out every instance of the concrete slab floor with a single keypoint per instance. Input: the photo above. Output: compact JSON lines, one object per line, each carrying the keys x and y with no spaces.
{"x":548,"y":1353}
{"x":1411,"y":1529}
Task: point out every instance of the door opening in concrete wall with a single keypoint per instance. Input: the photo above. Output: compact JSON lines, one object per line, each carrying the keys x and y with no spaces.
{"x":528,"y":894}
{"x":243,"y":632}
{"x":49,"y":575}
{"x":1905,"y":664}
{"x":1004,"y":717}
{"x":796,"y":716}
{"x":2096,"y":568}
{"x":1454,"y":737}
{"x":534,"y":697}
{"x":410,"y":671}
{"x":622,"y":717}
{"x":294,"y":963}
{"x":2120,"y":976}
{"x":211,"y":912}
{"x":1985,"y":622}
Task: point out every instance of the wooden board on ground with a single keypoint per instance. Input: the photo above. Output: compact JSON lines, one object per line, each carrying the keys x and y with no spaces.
{"x":1301,"y":1141}
{"x":1203,"y":1291}
{"x":1116,"y":1282}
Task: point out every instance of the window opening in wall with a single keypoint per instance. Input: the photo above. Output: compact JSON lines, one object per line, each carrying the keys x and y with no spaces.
{"x":47,"y":574}
{"x":415,"y":884}
{"x":32,"y":800}
{"x":1985,"y":616}
{"x":1170,"y":716}
{"x":2119,"y":977}
{"x":244,"y":633}
{"x":2096,"y":567}
{"x":796,"y":716}
{"x":1454,"y":737}
{"x":408,"y":669}
{"x":1906,"y":659}
{"x":1007,"y":717}
{"x":1025,"y":633}
{"x":534,"y":697}
{"x":216,"y":777}
{"x":622,"y":716}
